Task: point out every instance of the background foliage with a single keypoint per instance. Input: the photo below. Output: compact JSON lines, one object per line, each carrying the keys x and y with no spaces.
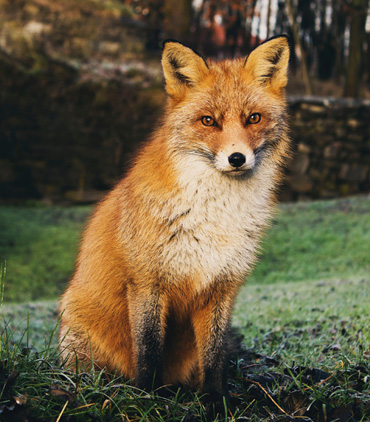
{"x":330,"y":38}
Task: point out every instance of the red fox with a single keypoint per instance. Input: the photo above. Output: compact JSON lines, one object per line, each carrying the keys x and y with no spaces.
{"x":166,"y":251}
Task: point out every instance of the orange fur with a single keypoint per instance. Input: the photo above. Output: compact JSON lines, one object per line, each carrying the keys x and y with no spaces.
{"x":166,"y":251}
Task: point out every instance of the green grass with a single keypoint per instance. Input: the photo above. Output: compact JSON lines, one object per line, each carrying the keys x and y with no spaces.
{"x":297,"y":321}
{"x":321,"y":323}
{"x":304,"y":314}
{"x":307,"y":350}
{"x":316,"y":241}
{"x":39,"y":245}
{"x":306,"y":242}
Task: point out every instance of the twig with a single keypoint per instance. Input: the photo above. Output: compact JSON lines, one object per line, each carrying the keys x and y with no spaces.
{"x":279,"y":407}
{"x":268,"y":395}
{"x":62,"y":411}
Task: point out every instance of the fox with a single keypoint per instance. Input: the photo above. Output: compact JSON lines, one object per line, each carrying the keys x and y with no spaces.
{"x":167,"y":249}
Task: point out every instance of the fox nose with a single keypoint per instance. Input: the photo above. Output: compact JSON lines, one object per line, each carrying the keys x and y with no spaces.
{"x":236,"y":159}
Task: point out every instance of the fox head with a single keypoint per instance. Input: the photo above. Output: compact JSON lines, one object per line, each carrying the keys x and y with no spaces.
{"x":230,"y":113}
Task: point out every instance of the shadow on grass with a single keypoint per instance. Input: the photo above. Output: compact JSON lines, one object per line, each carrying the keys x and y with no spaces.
{"x":34,"y":387}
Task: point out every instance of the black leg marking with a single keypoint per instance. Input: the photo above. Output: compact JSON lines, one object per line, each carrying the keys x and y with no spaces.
{"x":215,"y":366}
{"x":150,"y":355}
{"x":147,"y":316}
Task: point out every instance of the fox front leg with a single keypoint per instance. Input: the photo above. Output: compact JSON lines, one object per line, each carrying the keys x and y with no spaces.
{"x":147,"y":327}
{"x":211,"y":326}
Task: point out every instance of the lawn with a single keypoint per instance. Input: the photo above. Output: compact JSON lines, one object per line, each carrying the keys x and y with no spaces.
{"x":318,"y":240}
{"x":313,"y":241}
{"x":39,"y":246}
{"x":304,"y":315}
{"x":305,"y":353}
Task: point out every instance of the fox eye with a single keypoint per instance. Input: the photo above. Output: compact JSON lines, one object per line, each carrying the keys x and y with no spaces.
{"x":254,"y":118}
{"x":208,"y":121}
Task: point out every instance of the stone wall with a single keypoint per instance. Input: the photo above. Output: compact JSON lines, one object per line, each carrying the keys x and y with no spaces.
{"x":331,"y":148}
{"x":67,"y":139}
{"x":76,"y":145}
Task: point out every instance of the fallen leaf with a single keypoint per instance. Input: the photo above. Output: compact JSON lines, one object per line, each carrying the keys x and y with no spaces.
{"x":56,"y":391}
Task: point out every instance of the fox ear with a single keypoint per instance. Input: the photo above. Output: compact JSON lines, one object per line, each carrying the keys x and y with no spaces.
{"x":182,"y":68}
{"x":268,"y":63}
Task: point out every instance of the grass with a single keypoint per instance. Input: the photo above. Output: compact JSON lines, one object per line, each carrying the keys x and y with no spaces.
{"x":306,"y":353}
{"x":304,"y":316}
{"x":39,"y":246}
{"x":306,"y":242}
{"x":316,"y":241}
{"x":321,"y":323}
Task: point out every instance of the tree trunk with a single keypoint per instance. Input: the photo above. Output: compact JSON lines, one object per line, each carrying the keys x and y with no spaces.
{"x":248,"y":26}
{"x":297,"y":40}
{"x":339,"y":25}
{"x":177,"y":19}
{"x":356,"y":47}
{"x":268,"y":19}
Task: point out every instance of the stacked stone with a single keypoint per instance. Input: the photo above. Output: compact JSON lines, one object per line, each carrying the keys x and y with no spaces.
{"x":331,"y":148}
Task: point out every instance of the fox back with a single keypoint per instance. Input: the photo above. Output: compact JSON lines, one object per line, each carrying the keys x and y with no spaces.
{"x":165,"y":252}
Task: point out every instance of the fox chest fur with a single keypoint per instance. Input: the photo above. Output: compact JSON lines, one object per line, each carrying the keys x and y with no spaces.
{"x":165,"y":252}
{"x":207,"y":231}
